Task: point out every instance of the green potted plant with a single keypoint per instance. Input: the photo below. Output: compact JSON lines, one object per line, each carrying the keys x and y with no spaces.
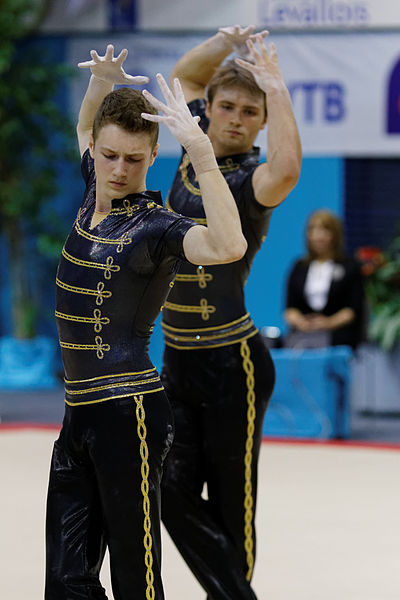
{"x":35,"y":135}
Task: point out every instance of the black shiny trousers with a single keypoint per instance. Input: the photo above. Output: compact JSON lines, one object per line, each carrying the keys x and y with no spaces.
{"x":104,"y":490}
{"x":219,"y":398}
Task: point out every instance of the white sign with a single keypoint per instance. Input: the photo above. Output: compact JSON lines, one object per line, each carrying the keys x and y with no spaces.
{"x":345,"y":91}
{"x":275,"y":14}
{"x":328,"y":14}
{"x":192,"y":15}
{"x":345,"y":88}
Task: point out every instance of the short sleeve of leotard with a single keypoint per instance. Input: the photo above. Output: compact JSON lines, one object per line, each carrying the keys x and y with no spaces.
{"x":171,"y":241}
{"x":248,"y":204}
{"x":89,"y":177}
{"x":87,"y":167}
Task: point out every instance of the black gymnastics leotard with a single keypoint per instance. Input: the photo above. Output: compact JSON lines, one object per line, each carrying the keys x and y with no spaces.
{"x":219,"y":377}
{"x":106,"y":468}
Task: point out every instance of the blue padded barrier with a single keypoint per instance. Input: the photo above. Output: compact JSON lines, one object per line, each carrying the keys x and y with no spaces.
{"x":311,"y":398}
{"x":27,"y":364}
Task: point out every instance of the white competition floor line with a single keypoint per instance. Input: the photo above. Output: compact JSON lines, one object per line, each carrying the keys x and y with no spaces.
{"x":328,"y":523}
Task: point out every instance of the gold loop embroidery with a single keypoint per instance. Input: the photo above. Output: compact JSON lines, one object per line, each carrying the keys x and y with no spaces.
{"x":98,"y":346}
{"x":120,"y":242}
{"x":153,"y":205}
{"x":229,"y":166}
{"x":101,"y":293}
{"x":201,"y":278}
{"x":123,"y":241}
{"x":80,"y":214}
{"x":108,"y":267}
{"x":248,"y":367}
{"x":144,"y":455}
{"x":97,"y":319}
{"x":129,"y":210}
{"x":204,"y":308}
{"x":128,"y":207}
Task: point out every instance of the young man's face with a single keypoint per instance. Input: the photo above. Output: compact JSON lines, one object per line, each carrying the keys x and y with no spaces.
{"x":121,"y":161}
{"x":236,"y":116}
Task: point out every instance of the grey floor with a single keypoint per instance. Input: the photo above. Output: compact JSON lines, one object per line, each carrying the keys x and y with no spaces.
{"x":327,"y":520}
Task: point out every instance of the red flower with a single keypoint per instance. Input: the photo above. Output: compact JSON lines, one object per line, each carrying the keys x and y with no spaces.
{"x":371,"y":259}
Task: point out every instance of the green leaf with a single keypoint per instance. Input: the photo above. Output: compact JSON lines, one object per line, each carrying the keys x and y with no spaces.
{"x":378,"y":322}
{"x":391,"y":333}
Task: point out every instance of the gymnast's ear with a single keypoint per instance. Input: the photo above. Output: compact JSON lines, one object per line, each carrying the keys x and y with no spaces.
{"x":91,"y":145}
{"x":154,"y":154}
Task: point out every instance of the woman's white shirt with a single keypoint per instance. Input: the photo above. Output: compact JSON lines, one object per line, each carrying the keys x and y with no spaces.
{"x":318,"y":283}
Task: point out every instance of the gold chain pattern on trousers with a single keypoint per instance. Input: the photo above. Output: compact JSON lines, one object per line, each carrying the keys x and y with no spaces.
{"x":248,"y":367}
{"x":144,"y":454}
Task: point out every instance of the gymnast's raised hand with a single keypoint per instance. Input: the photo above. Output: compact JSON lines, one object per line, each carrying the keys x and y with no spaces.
{"x":106,"y":71}
{"x":263,"y":65}
{"x":177,"y":116}
{"x":109,"y":68}
{"x":238,"y":36}
{"x":183,"y":126}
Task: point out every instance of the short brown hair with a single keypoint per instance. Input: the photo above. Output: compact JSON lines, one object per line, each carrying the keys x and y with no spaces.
{"x":333,"y":224}
{"x":124,"y":107}
{"x":231,"y":75}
